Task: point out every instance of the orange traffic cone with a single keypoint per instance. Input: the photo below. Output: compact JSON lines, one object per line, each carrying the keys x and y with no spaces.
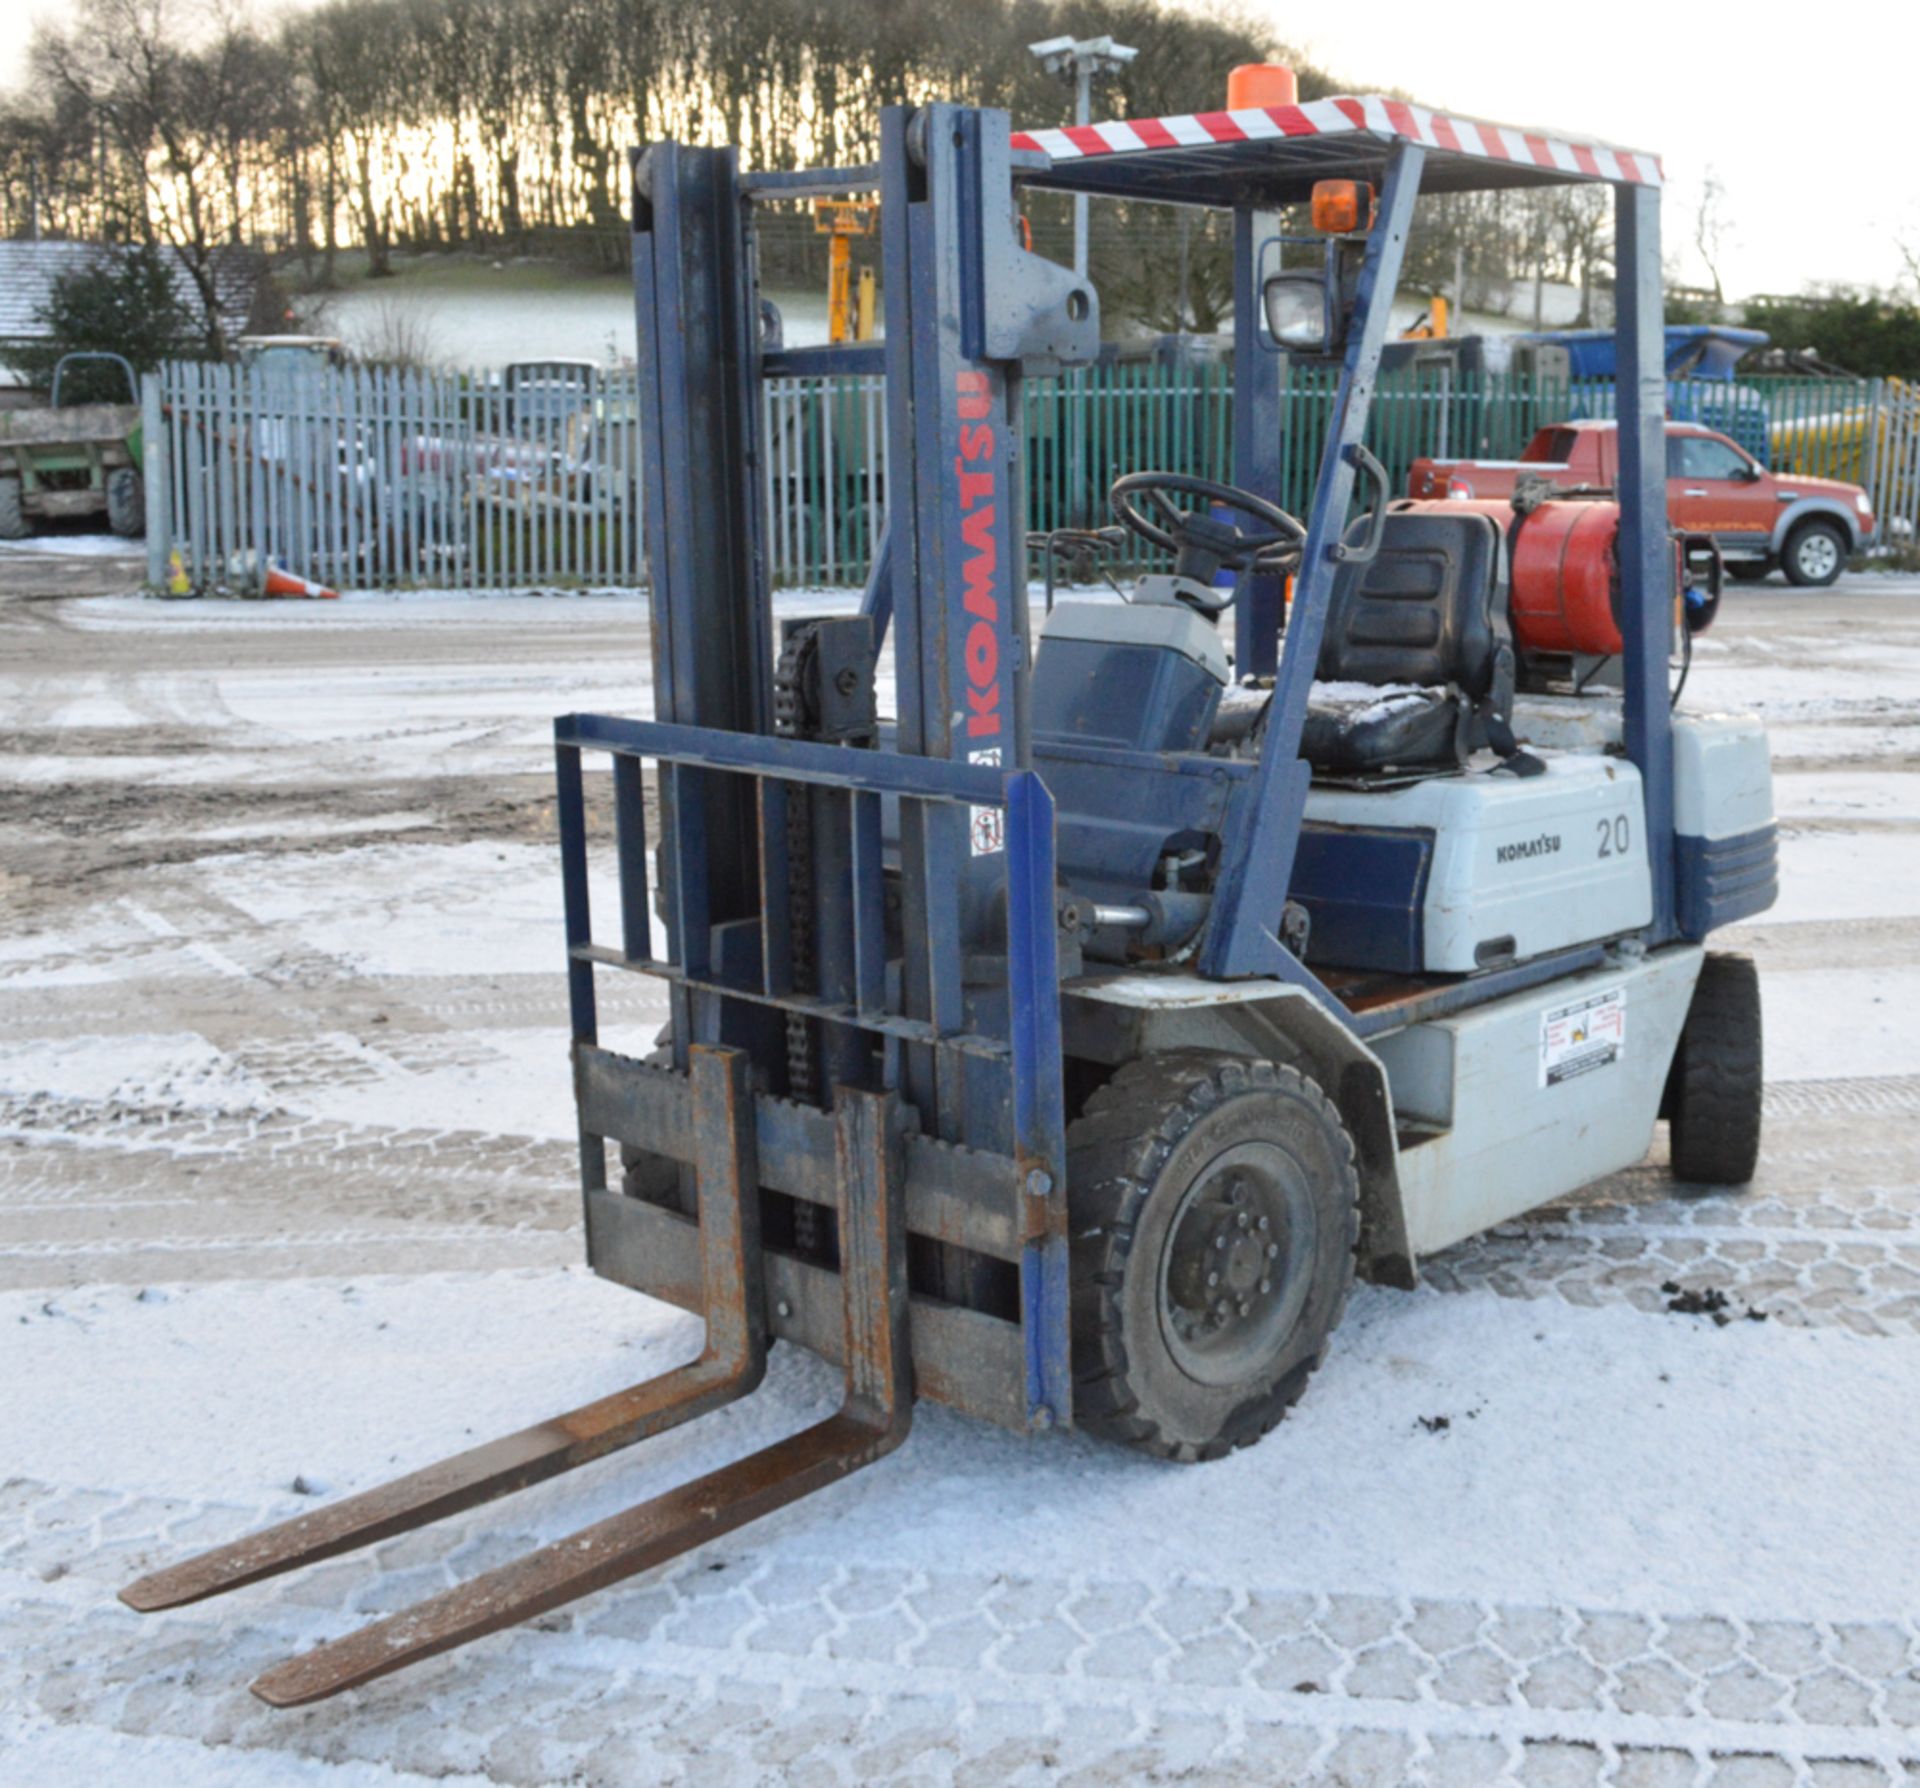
{"x":284,"y":583}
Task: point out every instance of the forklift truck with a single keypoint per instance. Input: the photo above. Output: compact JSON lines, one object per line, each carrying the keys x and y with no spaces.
{"x":1059,"y":1046}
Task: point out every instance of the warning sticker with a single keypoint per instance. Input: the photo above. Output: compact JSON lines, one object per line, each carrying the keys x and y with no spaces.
{"x":1584,"y":1035}
{"x":987,"y":826}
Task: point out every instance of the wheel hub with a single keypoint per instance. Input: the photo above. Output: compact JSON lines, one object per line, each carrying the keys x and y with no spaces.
{"x":1237,"y":1263}
{"x":1818,"y":555}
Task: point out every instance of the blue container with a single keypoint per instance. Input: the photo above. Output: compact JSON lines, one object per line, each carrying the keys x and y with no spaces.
{"x":1694,"y":350}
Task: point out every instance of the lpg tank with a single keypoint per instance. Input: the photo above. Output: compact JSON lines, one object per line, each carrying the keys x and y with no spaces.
{"x":1563,"y":570}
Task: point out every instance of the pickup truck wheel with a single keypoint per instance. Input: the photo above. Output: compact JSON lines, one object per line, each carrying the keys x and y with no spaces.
{"x":1214,"y":1208}
{"x":126,"y":503}
{"x":13,"y":518}
{"x":1750,"y":571}
{"x":1816,"y":554}
{"x":1713,"y":1092}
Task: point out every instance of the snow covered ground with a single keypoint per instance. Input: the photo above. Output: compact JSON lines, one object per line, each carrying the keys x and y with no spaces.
{"x":287,"y":1205}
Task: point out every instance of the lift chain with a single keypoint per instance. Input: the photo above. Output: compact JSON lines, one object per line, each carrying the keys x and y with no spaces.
{"x":792,"y":720}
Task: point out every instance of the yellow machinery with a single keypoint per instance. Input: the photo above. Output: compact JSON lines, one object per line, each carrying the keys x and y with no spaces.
{"x":840,"y":220}
{"x":1841,"y":441}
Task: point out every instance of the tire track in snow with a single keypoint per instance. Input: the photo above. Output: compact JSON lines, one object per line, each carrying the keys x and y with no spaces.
{"x":1847,"y":1257}
{"x":728,"y":1666}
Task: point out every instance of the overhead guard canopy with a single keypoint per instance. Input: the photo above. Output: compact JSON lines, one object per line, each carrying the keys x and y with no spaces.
{"x":1273,"y":154}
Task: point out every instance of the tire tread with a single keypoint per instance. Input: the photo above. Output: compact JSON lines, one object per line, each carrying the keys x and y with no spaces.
{"x":1790,"y":554}
{"x":1115,"y":1151}
{"x":1715,"y":1086}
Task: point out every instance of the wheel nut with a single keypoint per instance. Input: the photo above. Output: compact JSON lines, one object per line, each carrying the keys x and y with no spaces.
{"x":1243,"y":1306}
{"x":1273,"y":1250}
{"x":1245,"y":1220}
{"x":1213,"y":1279}
{"x":1264,"y":1225}
{"x":1266,"y":1285}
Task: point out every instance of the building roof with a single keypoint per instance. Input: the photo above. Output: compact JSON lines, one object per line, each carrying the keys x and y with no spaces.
{"x":28,"y":270}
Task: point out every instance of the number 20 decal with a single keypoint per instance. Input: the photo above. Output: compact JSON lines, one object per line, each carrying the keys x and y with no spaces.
{"x":1614,"y":836}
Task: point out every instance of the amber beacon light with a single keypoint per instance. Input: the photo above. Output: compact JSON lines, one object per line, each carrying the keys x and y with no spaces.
{"x":1255,"y":85}
{"x":1341,"y":207}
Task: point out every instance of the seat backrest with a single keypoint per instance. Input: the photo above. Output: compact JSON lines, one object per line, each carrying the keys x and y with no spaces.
{"x":1424,"y":609}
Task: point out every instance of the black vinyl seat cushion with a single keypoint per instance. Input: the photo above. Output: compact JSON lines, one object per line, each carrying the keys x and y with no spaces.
{"x":1398,"y":727}
{"x":1416,"y":668}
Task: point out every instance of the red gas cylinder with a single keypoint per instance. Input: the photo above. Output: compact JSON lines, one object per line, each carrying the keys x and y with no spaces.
{"x":1565,"y":578}
{"x":1563,"y":573}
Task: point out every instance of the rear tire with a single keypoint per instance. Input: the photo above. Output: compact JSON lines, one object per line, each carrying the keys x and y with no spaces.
{"x":1816,"y":555}
{"x":1215,"y":1210}
{"x":13,"y":516}
{"x":126,"y":503}
{"x":1714,"y":1086}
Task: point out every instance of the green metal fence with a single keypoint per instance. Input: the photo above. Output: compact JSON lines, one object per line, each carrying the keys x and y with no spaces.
{"x":1423,"y":412}
{"x":1084,"y":428}
{"x":368,"y":478}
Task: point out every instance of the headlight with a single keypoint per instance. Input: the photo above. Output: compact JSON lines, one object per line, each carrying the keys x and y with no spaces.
{"x":1862,"y":502}
{"x":1297,"y":311}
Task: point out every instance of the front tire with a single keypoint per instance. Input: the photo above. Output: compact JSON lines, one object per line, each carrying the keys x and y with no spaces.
{"x":13,"y":516}
{"x":1750,"y":571}
{"x":1215,"y":1213}
{"x":126,"y":503}
{"x":1714,"y":1087}
{"x":1816,"y":555}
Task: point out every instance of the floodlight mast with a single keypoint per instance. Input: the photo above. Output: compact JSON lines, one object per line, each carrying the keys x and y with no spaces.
{"x":1078,"y":60}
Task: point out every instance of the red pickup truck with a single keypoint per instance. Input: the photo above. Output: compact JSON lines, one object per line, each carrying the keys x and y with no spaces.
{"x":1805,"y":527}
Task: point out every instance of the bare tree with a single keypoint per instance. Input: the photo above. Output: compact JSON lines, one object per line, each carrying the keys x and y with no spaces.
{"x":1908,"y":249}
{"x":1710,"y":231}
{"x":176,"y":91}
{"x":451,"y":122}
{"x":1581,"y":228}
{"x":399,"y":335}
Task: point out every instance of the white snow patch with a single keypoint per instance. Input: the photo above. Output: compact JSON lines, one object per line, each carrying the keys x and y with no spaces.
{"x":74,"y":546}
{"x":1360,"y":703}
{"x":1844,"y":796}
{"x":93,"y":1757}
{"x":1806,"y":1505}
{"x":1813,"y":742}
{"x":1840,"y":1023}
{"x":167,"y":1069}
{"x":316,"y":827}
{"x":504,"y":1082}
{"x":416,"y":909}
{"x":1752,"y":1469}
{"x":1847,"y":875}
{"x":232,"y":1391}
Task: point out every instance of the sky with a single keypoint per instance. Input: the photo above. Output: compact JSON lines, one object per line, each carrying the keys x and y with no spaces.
{"x":1821,"y":181}
{"x":1813,"y":145}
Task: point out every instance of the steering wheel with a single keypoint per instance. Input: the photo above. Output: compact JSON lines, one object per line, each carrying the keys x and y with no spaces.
{"x":1201,"y":543}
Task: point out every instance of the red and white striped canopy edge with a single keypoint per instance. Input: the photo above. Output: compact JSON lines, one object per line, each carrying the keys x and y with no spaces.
{"x":1332,"y":117}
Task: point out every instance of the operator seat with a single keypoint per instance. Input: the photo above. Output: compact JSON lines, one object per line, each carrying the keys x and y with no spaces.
{"x":1416,"y":665}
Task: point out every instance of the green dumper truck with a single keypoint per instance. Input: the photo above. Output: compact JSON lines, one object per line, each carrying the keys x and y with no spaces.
{"x":73,"y":460}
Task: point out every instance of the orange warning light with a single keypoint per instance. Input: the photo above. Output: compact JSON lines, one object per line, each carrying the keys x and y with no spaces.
{"x":1262,"y":85}
{"x":1340,"y":207}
